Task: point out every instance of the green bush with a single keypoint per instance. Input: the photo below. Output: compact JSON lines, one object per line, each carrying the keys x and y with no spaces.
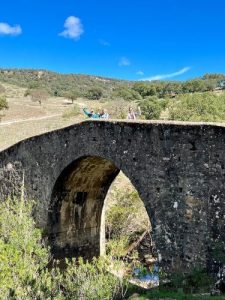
{"x":152,"y":107}
{"x":94,"y":93}
{"x":123,"y":216}
{"x":3,"y":103}
{"x":92,"y":281}
{"x":126,"y":94}
{"x":72,"y":95}
{"x":126,"y":219}
{"x":198,"y":107}
{"x":24,"y":258}
{"x":197,"y":281}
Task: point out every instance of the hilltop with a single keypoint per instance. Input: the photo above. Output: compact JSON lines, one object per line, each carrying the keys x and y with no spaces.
{"x":57,"y":84}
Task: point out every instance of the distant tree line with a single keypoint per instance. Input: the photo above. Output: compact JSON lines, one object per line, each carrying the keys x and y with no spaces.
{"x":93,"y":87}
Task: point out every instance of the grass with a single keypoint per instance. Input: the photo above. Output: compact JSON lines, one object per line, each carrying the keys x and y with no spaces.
{"x":156,"y":294}
{"x":59,"y":113}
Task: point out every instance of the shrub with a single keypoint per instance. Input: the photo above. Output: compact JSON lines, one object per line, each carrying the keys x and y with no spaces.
{"x":23,"y":255}
{"x":152,"y":107}
{"x":198,"y":107}
{"x":37,"y":95}
{"x":3,"y":103}
{"x":126,"y":94}
{"x":72,"y":95}
{"x":24,"y":258}
{"x":126,"y":219}
{"x":92,"y":281}
{"x":197,"y":281}
{"x":94,"y":93}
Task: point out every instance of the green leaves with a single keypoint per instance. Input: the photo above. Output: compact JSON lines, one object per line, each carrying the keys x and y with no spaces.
{"x":152,"y":107}
{"x":24,"y":259}
{"x":3,"y":102}
{"x":23,"y":255}
{"x":123,"y":221}
{"x":94,"y":93}
{"x":207,"y":107}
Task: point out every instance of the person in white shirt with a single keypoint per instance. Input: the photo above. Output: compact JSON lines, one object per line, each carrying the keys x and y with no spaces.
{"x":104,"y":114}
{"x":131,"y":114}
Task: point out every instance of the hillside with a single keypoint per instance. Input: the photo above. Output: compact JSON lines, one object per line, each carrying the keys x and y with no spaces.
{"x":57,"y":83}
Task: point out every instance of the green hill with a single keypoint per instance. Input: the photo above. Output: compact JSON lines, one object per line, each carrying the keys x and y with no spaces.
{"x":57,"y":84}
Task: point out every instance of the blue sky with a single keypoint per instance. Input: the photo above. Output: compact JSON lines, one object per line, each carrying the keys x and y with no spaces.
{"x":127,"y":39}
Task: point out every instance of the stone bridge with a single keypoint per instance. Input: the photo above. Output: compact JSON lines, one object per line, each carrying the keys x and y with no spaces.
{"x":178,"y":170}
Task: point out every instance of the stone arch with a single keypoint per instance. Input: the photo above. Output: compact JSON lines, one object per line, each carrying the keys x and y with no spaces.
{"x":76,"y":216}
{"x":177,"y":169}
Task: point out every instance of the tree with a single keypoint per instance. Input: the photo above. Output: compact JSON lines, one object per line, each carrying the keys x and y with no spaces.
{"x":152,"y":107}
{"x":213,"y":76}
{"x":126,"y":93}
{"x":94,"y":93}
{"x":72,"y":95}
{"x":144,"y":89}
{"x":195,"y":85}
{"x":172,"y":87}
{"x":37,"y":95}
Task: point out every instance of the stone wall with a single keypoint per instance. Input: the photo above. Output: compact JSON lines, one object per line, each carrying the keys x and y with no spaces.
{"x":178,"y":170}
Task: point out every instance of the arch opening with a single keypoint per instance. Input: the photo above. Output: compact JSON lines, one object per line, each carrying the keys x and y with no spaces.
{"x":128,"y":227}
{"x":76,"y":220}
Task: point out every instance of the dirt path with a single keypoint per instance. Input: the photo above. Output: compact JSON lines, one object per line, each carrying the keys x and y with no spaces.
{"x":28,"y":120}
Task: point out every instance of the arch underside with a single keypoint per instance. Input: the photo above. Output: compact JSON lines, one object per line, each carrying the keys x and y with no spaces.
{"x":75,"y":217}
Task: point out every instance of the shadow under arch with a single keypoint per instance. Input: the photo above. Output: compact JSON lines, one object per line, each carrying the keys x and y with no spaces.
{"x":76,"y":224}
{"x":74,"y":219}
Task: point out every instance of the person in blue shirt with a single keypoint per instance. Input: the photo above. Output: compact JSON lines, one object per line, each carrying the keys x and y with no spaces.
{"x":91,"y":114}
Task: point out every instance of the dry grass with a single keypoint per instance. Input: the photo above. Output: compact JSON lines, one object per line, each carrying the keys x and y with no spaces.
{"x":25,"y":118}
{"x":28,"y":115}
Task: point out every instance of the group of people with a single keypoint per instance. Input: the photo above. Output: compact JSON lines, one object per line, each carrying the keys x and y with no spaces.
{"x":104,"y":114}
{"x":91,"y":114}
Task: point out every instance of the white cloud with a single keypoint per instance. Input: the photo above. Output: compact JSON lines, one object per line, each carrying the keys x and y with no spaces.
{"x":104,"y":43}
{"x":141,"y":73}
{"x":124,"y":61}
{"x":165,"y":76}
{"x":73,"y":28}
{"x":6,"y":29}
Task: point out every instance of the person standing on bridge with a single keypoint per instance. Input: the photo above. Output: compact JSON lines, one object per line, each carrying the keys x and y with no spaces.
{"x":104,"y":114}
{"x":131,"y":114}
{"x":91,"y":114}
